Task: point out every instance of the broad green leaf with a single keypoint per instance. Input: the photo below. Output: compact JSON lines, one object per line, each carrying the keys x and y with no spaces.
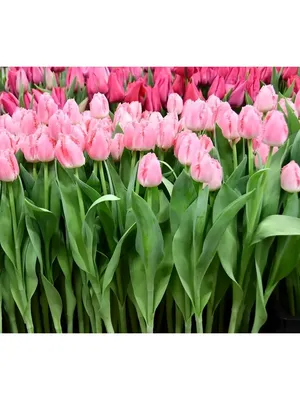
{"x":295,"y":149}
{"x":225,"y":152}
{"x":6,"y":233}
{"x":54,"y":301}
{"x":237,"y":174}
{"x":139,"y":285}
{"x":292,"y":120}
{"x":277,"y":225}
{"x":168,"y":185}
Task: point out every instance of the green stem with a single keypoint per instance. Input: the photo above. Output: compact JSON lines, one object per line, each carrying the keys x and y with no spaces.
{"x":221,"y":316}
{"x":133,"y":318}
{"x":137,"y":183}
{"x":45,"y":313}
{"x":233,"y":320}
{"x":234,"y":154}
{"x":141,"y":321}
{"x":46,"y":186}
{"x":149,"y":197}
{"x":133,"y":162}
{"x":269,"y":159}
{"x":34,"y":171}
{"x":250,"y":157}
{"x":199,"y":323}
{"x":150,"y":328}
{"x":102,"y":178}
{"x":95,"y":168}
{"x":178,"y":320}
{"x":188,"y":326}
{"x":169,"y":311}
{"x":80,"y":199}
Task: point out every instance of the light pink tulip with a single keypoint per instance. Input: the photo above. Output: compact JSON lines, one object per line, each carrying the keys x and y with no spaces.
{"x":68,"y":152}
{"x":196,"y":115}
{"x":188,"y":148}
{"x":210,"y":123}
{"x":79,"y":135}
{"x":50,"y":76}
{"x":9,"y":168}
{"x":290,"y":177}
{"x":99,"y":106}
{"x":266,"y":99}
{"x":7,"y":140}
{"x":59,"y":123}
{"x":222,"y":108}
{"x":29,"y":122}
{"x":275,"y":132}
{"x":28,"y":145}
{"x":45,"y":145}
{"x":175,"y":103}
{"x":135,"y":110}
{"x":98,"y":144}
{"x":206,"y":144}
{"x":46,"y":108}
{"x":178,"y":139}
{"x":117,"y":146}
{"x":72,"y":110}
{"x":6,"y":122}
{"x":290,"y":103}
{"x":149,"y":171}
{"x":122,"y":117}
{"x":202,"y":168}
{"x":228,"y":122}
{"x":155,"y":116}
{"x":214,"y":103}
{"x":217,"y":176}
{"x":22,"y":81}
{"x":249,"y":123}
{"x":141,"y":136}
{"x":262,"y":151}
{"x":168,"y":129}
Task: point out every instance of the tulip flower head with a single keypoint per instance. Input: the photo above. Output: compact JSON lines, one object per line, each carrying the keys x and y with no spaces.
{"x":149,"y":171}
{"x":290,"y":177}
{"x":9,"y":168}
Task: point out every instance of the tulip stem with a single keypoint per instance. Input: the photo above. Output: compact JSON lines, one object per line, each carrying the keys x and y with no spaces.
{"x":80,"y":199}
{"x":34,"y":171}
{"x":133,"y":161}
{"x":137,"y":183}
{"x":149,"y":197}
{"x":102,"y":178}
{"x":268,"y":162}
{"x":234,"y":153}
{"x":250,"y":157}
{"x":95,"y":168}
{"x":46,"y":185}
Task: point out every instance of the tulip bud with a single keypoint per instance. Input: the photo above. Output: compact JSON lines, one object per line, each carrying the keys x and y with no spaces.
{"x":167,"y":131}
{"x":217,"y":176}
{"x":249,"y":123}
{"x":155,"y":116}
{"x":6,"y":122}
{"x":290,"y":177}
{"x":201,"y":168}
{"x":222,"y":108}
{"x":22,"y":81}
{"x":72,"y":110}
{"x":290,"y":103}
{"x":275,"y":131}
{"x":50,"y":76}
{"x":266,"y":99}
{"x":29,"y":122}
{"x":98,"y":144}
{"x":59,"y":123}
{"x":99,"y":106}
{"x":45,"y":145}
{"x":117,"y":146}
{"x":214,"y":103}
{"x":59,"y":96}
{"x":46,"y":108}
{"x":206,"y":144}
{"x":9,"y":102}
{"x":178,"y":139}
{"x":210,"y":123}
{"x":188,"y":148}
{"x":140,"y":136}
{"x":149,"y":171}
{"x":175,"y":103}
{"x":196,"y":115}
{"x":228,"y":122}
{"x":9,"y":168}
{"x":69,"y":153}
{"x":7,"y":140}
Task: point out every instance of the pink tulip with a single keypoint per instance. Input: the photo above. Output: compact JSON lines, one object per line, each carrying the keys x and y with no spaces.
{"x":45,"y":145}
{"x":122,"y":117}
{"x":152,"y":99}
{"x":196,"y":115}
{"x":237,"y":96}
{"x":7,"y":140}
{"x":59,"y":96}
{"x":98,"y":144}
{"x":50,"y":76}
{"x":192,"y":93}
{"x":149,"y":171}
{"x":155,"y":116}
{"x":290,"y":177}
{"x":75,"y":72}
{"x":266,"y":99}
{"x":187,"y":149}
{"x":79,"y":135}
{"x":206,"y":144}
{"x":178,"y":85}
{"x":290,"y":103}
{"x":218,"y":87}
{"x":135,"y":110}
{"x":99,"y":106}
{"x":140,"y":136}
{"x":69,"y":153}
{"x":214,"y":103}
{"x":59,"y":123}
{"x":223,"y":107}
{"x":217,"y":176}
{"x":30,"y":102}
{"x":202,"y":168}
{"x":29,"y":122}
{"x":28,"y":145}
{"x":116,"y":90}
{"x":9,"y":102}
{"x":168,"y":129}
{"x":6,"y":122}
{"x":9,"y":168}
{"x":288,"y":72}
{"x":46,"y":108}
{"x":37,"y":75}
{"x":72,"y":110}
{"x":22,"y":81}
{"x":228,"y":122}
{"x":210,"y":123}
{"x":117,"y":146}
{"x":163,"y":83}
{"x":249,"y":123}
{"x":175,"y":103}
{"x":275,"y":132}
{"x":262,"y":152}
{"x":178,"y":139}
{"x":12,"y":79}
{"x":97,"y":81}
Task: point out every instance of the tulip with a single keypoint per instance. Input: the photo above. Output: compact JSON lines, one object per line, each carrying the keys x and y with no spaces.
{"x":210,"y":123}
{"x":30,"y":102}
{"x":99,"y":106}
{"x":7,"y":140}
{"x":105,"y":123}
{"x":59,"y":123}
{"x":297,"y":102}
{"x":50,"y":76}
{"x":12,"y":79}
{"x":217,"y":176}
{"x":117,"y":146}
{"x":168,"y":129}
{"x":140,"y":136}
{"x":262,"y":151}
{"x":228,"y":122}
{"x":46,"y":108}
{"x":206,"y":144}
{"x":98,"y":80}
{"x":290,"y":177}
{"x":185,"y":72}
{"x":69,"y":153}
{"x":122,"y":117}
{"x":9,"y":168}
{"x":288,"y":72}
{"x":266,"y":99}
{"x":75,"y":72}
{"x":290,"y":103}
{"x":163,"y":83}
{"x":29,"y":122}
{"x":37,"y":75}
{"x":116,"y":92}
{"x":218,"y":87}
{"x":214,"y":103}
{"x":275,"y":131}
{"x":9,"y":102}
{"x":175,"y":103}
{"x":192,"y":93}
{"x":135,"y":91}
{"x":22,"y":81}
{"x":155,"y":116}
{"x":196,"y":115}
{"x":152,"y":100}
{"x":179,"y":138}
{"x":149,"y":171}
{"x":187,"y":148}
{"x":236,"y":98}
{"x":249,"y":123}
{"x":202,"y":168}
{"x":98,"y":144}
{"x":222,"y":108}
{"x":178,"y":85}
{"x":45,"y":145}
{"x":253,"y":83}
{"x":59,"y":96}
{"x":79,"y":135}
{"x":6,"y":122}
{"x":72,"y":110}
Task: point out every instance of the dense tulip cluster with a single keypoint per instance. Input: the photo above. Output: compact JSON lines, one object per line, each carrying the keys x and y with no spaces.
{"x":147,"y":192}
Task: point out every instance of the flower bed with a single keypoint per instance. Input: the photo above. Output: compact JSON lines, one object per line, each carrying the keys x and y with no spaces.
{"x":149,"y":199}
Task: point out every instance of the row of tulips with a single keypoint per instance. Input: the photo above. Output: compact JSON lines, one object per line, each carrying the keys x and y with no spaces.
{"x":119,"y":221}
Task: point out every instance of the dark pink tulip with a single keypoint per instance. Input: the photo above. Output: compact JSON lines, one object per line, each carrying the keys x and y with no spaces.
{"x":163,"y":85}
{"x":116,"y":90}
{"x":288,"y":72}
{"x":97,"y":80}
{"x":75,"y":72}
{"x":218,"y":87}
{"x":9,"y":102}
{"x":237,"y":96}
{"x":21,"y":81}
{"x":59,"y":96}
{"x":135,"y":91}
{"x":178,"y":85}
{"x":12,"y":79}
{"x":192,"y":93}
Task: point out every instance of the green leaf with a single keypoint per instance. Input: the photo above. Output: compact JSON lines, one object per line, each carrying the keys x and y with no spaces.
{"x":70,"y":92}
{"x":107,"y":197}
{"x":292,"y":120}
{"x":249,"y":101}
{"x":54,"y":302}
{"x":237,"y":174}
{"x":139,"y":285}
{"x":31,"y":279}
{"x":295,"y":149}
{"x":168,"y":185}
{"x":277,"y":225}
{"x":150,"y":78}
{"x":289,"y":90}
{"x":6,"y":232}
{"x":225,"y":152}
